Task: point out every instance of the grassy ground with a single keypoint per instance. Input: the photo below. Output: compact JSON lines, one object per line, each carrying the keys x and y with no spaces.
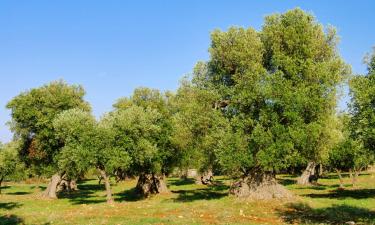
{"x":190,"y":204}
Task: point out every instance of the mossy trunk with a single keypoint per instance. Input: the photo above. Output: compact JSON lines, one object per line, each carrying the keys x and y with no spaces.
{"x":151,"y":184}
{"x":107,"y":184}
{"x":52,"y":187}
{"x":309,"y":175}
{"x":259,"y":185}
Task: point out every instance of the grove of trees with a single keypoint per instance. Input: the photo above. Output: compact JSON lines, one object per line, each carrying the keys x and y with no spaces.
{"x":264,"y":103}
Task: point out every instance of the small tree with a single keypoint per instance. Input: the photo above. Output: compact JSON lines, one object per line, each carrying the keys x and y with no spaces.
{"x":198,"y":126}
{"x":144,"y":123}
{"x":10,"y":164}
{"x":88,"y":144}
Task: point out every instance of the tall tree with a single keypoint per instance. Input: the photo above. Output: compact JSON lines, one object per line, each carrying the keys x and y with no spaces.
{"x":278,"y":88}
{"x":32,"y":114}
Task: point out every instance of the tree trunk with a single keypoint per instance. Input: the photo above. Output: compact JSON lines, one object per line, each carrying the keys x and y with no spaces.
{"x":1,"y":181}
{"x":51,"y":190}
{"x":73,"y":185}
{"x":355,"y":177}
{"x":308,"y":176}
{"x":259,"y":185}
{"x":151,"y":184}
{"x":321,"y":170}
{"x":107,"y":186}
{"x":340,"y":178}
{"x":205,"y":178}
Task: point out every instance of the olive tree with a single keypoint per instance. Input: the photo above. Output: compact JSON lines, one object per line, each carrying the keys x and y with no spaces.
{"x":278,"y":88}
{"x":142,"y":127}
{"x":198,"y":126}
{"x":32,"y":114}
{"x":88,"y":144}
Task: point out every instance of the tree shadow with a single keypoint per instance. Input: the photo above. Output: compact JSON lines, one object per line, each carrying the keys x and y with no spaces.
{"x":340,"y":194}
{"x":286,"y":181}
{"x":180,"y":182}
{"x":9,"y":205}
{"x":4,"y":187}
{"x":11,"y":220}
{"x":300,"y":213}
{"x":217,"y":191}
{"x":130,"y":195}
{"x":84,"y":194}
{"x":19,"y":193}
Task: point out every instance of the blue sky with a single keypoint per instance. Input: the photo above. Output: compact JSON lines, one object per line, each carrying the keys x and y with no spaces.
{"x":112,"y":47}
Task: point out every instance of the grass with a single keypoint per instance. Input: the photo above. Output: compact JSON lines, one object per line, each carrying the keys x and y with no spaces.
{"x":189,"y":203}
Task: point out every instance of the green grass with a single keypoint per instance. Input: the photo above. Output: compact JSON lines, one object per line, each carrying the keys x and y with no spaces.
{"x":190,"y":204}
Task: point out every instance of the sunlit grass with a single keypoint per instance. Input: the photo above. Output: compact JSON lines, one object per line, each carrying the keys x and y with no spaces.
{"x":189,"y":203}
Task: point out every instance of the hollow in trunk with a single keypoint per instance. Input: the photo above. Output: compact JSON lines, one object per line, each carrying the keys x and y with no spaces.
{"x":151,"y":184}
{"x":309,"y":175}
{"x":259,"y":185}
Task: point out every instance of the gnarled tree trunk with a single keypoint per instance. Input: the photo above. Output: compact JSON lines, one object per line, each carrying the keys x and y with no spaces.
{"x":67,"y":185}
{"x":309,"y":176}
{"x":151,"y":184}
{"x":205,"y":178}
{"x":107,"y":186}
{"x":51,"y":190}
{"x":259,"y":185}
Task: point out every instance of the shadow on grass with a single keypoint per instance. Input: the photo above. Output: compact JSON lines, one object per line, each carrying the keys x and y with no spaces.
{"x":339,"y":194}
{"x":286,"y":181}
{"x":19,"y":193}
{"x":217,"y":191}
{"x":299,"y":213}
{"x":130,"y":195}
{"x":180,"y":182}
{"x":9,"y":205}
{"x":84,"y":194}
{"x":4,"y":187}
{"x":10,"y":220}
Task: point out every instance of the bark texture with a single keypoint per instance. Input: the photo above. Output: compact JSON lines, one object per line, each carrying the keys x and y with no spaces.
{"x":309,"y":175}
{"x":205,"y":178}
{"x":259,"y":185}
{"x":107,"y":186}
{"x":151,"y":184}
{"x":51,"y":190}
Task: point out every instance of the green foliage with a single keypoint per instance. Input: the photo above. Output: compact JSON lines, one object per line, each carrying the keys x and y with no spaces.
{"x":87,"y":144}
{"x":150,"y":112}
{"x":32,"y":115}
{"x":10,"y":165}
{"x":280,"y":85}
{"x":362,"y":91}
{"x":197,"y":127}
{"x":137,"y":131}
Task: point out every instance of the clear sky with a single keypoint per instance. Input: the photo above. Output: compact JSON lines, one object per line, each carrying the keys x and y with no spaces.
{"x":112,"y":47}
